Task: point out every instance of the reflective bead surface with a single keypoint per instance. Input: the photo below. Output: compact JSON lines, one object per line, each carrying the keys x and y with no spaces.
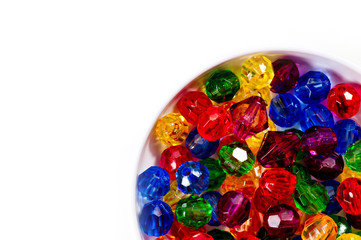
{"x":153,"y":183}
{"x":172,"y":129}
{"x":349,"y":236}
{"x":257,"y":71}
{"x":201,"y":236}
{"x":349,"y":196}
{"x":319,"y":141}
{"x":245,"y":184}
{"x":333,"y":206}
{"x":316,"y":115}
{"x":344,"y":100}
{"x":285,"y":110}
{"x":285,"y":75}
{"x":319,"y":227}
{"x":222,"y":86}
{"x":353,"y":156}
{"x":347,"y":132}
{"x":213,"y":197}
{"x":278,"y":183}
{"x":342,"y":225}
{"x":216,"y":173}
{"x":173,"y":157}
{"x":325,"y":167}
{"x":200,"y":147}
{"x":174,"y":195}
{"x":192,"y":177}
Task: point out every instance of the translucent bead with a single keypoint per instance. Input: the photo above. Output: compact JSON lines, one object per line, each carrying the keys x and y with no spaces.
{"x":278,"y":183}
{"x":172,"y":129}
{"x":213,"y":197}
{"x":342,"y":225}
{"x":333,"y":206}
{"x":325,"y":167}
{"x":216,"y":173}
{"x":286,"y":75}
{"x":353,"y":156}
{"x":247,"y":91}
{"x":349,"y":196}
{"x":173,"y":157}
{"x":263,"y":201}
{"x":285,"y":110}
{"x":174,"y":195}
{"x":192,"y":177}
{"x":257,"y":71}
{"x":219,"y":234}
{"x":319,"y":227}
{"x":201,"y":236}
{"x":252,"y":225}
{"x":344,"y":100}
{"x":254,"y":142}
{"x":183,"y":232}
{"x":347,"y":132}
{"x":319,"y":141}
{"x":300,"y":171}
{"x":166,"y":237}
{"x":354,"y":220}
{"x":200,"y":147}
{"x":348,"y":173}
{"x":245,"y":184}
{"x":349,"y":236}
{"x":316,"y":115}
{"x":222,"y":86}
{"x":153,"y":183}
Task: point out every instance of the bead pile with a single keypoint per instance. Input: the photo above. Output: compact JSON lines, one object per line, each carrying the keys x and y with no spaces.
{"x":236,"y":164}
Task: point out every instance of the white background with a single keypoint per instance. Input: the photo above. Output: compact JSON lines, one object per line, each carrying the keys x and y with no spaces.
{"x":81,"y":83}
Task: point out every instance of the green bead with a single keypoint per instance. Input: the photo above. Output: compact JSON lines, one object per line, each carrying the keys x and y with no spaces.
{"x":300,"y":171}
{"x":342,"y":225}
{"x":358,"y":233}
{"x":216,"y":173}
{"x":222,"y":86}
{"x":301,"y":155}
{"x":310,"y":196}
{"x":236,"y":159}
{"x":218,"y":234}
{"x":353,"y":156}
{"x":193,"y":212}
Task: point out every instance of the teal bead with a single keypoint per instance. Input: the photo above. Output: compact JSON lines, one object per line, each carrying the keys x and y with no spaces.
{"x":222,"y":86}
{"x":216,"y":173}
{"x":342,"y":225}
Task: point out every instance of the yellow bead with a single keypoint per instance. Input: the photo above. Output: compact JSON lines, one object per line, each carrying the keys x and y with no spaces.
{"x":257,"y":71}
{"x":166,"y":237}
{"x":247,"y":90}
{"x":319,"y":227}
{"x":174,"y":195}
{"x":245,"y":184}
{"x":255,"y":141}
{"x":349,"y":236}
{"x":172,"y":129}
{"x":347,"y":173}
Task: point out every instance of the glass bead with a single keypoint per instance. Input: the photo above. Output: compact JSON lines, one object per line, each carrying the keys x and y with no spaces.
{"x":313,"y":87}
{"x":213,"y":197}
{"x":183,"y":232}
{"x":222,"y":86}
{"x":201,"y":236}
{"x":257,"y":71}
{"x":249,"y":117}
{"x":192,"y":104}
{"x":278,"y":183}
{"x":349,"y":196}
{"x":344,"y":100}
{"x":333,"y":206}
{"x":342,"y":225}
{"x":192,"y":177}
{"x":236,"y":159}
{"x":354,"y":220}
{"x":156,"y":218}
{"x":311,"y":197}
{"x":319,"y":227}
{"x":173,"y":157}
{"x":325,"y":167}
{"x":166,"y":237}
{"x":214,"y":123}
{"x":193,"y":212}
{"x":216,"y":173}
{"x":200,"y":147}
{"x":353,"y":156}
{"x":285,"y":110}
{"x":245,"y":184}
{"x":233,"y":209}
{"x":174,"y":195}
{"x":319,"y":141}
{"x":347,"y":132}
{"x":349,"y":236}
{"x":247,"y":91}
{"x":300,"y":171}
{"x":153,"y":183}
{"x":316,"y":115}
{"x":172,"y":129}
{"x":219,"y":234}
{"x":286,"y":75}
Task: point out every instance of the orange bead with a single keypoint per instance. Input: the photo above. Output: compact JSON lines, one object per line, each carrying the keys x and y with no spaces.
{"x":348,"y":173}
{"x":319,"y":227}
{"x":172,"y":129}
{"x":245,"y":184}
{"x":166,"y":237}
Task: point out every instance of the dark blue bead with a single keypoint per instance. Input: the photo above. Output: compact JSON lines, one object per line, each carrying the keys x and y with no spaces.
{"x":156,"y":218}
{"x":313,"y":87}
{"x":200,"y":147}
{"x":153,"y":183}
{"x":285,"y":110}
{"x":297,"y":238}
{"x":333,"y":206}
{"x":192,"y":177}
{"x":316,"y":115}
{"x":213,"y":197}
{"x":347,"y":132}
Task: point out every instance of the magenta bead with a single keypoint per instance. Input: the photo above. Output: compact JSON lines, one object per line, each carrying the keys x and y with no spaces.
{"x":319,"y":141}
{"x":286,"y":76}
{"x":325,"y":167}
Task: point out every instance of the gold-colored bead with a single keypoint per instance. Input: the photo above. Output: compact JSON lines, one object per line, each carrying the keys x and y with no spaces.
{"x":172,"y":129}
{"x":257,"y":71}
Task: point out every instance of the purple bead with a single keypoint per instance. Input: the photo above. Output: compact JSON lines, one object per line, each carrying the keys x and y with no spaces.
{"x":354,"y":220}
{"x":233,"y":209}
{"x":325,"y":167}
{"x":319,"y":141}
{"x":192,"y":177}
{"x":286,"y":76}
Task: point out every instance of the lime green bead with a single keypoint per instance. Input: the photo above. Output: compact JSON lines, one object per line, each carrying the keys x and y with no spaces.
{"x":222,"y":86}
{"x":193,"y":212}
{"x":353,"y":156}
{"x":216,"y":173}
{"x":342,"y":225}
{"x":218,"y":234}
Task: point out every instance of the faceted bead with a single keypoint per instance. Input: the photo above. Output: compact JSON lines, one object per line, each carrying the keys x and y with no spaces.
{"x":354,"y":220}
{"x":325,"y":167}
{"x":246,"y":236}
{"x":172,"y":129}
{"x":286,"y":75}
{"x":342,"y":225}
{"x":348,"y":173}
{"x":257,"y":71}
{"x":166,"y":237}
{"x":347,"y":132}
{"x":183,"y":232}
{"x":213,"y":197}
{"x":255,"y":141}
{"x":233,"y":209}
{"x":313,"y":87}
{"x":278,"y":149}
{"x":156,"y":218}
{"x":174,"y":195}
{"x":245,"y":184}
{"x":247,"y":91}
{"x":252,"y":225}
{"x":319,"y":227}
{"x":214,"y":123}
{"x":311,"y":197}
{"x":300,"y":171}
{"x":200,"y":147}
{"x":192,"y":177}
{"x":227,"y":140}
{"x":263,"y":201}
{"x":285,"y":110}
{"x":333,"y":206}
{"x":319,"y":141}
{"x":349,"y":196}
{"x":353,"y":156}
{"x":216,"y":173}
{"x":281,"y":221}
{"x":222,"y":86}
{"x":173,"y":157}
{"x":219,"y":234}
{"x":192,"y":104}
{"x":249,"y":117}
{"x":236,"y":159}
{"x":344,"y":100}
{"x":349,"y":236}
{"x":316,"y":115}
{"x":278,"y":183}
{"x":193,"y":212}
{"x":153,"y":183}
{"x":201,"y":236}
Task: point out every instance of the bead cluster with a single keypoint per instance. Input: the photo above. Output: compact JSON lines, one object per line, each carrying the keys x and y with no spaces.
{"x":239,"y":165}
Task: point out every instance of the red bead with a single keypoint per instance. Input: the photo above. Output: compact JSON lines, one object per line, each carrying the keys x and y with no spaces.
{"x":249,"y":117}
{"x":252,"y":225}
{"x":286,"y":76}
{"x":349,"y":196}
{"x":262,"y":202}
{"x":182,"y":232}
{"x":192,"y":105}
{"x":343,"y":100}
{"x":278,"y":183}
{"x":200,"y":236}
{"x":227,"y":140}
{"x":172,"y":158}
{"x":245,"y":236}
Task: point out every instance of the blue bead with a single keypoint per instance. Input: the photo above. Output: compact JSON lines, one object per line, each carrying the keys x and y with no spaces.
{"x":192,"y":177}
{"x":316,"y":115}
{"x":200,"y":147}
{"x":153,"y":183}
{"x":347,"y":132}
{"x":156,"y":218}
{"x":313,"y":87}
{"x":297,"y":238}
{"x":333,"y":206}
{"x":285,"y":110}
{"x":213,"y":197}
